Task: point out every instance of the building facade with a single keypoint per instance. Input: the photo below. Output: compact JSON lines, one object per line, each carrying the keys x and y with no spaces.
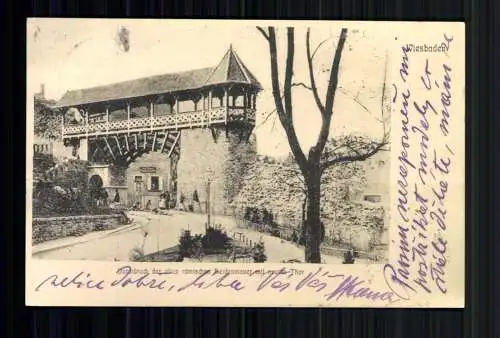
{"x":185,"y":134}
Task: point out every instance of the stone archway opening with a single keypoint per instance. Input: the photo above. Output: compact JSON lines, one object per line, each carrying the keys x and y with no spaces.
{"x":95,"y":181}
{"x":96,"y":189}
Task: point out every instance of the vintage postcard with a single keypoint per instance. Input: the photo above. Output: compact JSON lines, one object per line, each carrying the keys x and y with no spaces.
{"x":245,"y":163}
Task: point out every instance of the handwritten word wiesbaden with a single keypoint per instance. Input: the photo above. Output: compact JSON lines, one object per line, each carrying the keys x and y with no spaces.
{"x":421,"y":204}
{"x":329,"y":286}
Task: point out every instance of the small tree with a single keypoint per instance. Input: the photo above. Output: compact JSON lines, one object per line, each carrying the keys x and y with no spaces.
{"x":47,"y":121}
{"x":259,"y":255}
{"x":313,"y":165}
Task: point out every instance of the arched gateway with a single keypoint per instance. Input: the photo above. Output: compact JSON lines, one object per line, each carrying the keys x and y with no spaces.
{"x":169,"y":133}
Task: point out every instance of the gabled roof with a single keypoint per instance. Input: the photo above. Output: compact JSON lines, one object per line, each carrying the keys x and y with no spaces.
{"x":229,"y":70}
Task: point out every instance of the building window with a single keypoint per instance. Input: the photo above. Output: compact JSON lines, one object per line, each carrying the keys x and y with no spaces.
{"x":373,"y":198}
{"x":155,"y":183}
{"x":138,"y":183}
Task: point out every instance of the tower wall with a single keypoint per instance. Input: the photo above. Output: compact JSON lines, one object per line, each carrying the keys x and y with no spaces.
{"x":83,"y":150}
{"x":223,"y":159}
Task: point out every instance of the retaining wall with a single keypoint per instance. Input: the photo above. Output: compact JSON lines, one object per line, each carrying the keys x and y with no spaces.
{"x":51,"y":228}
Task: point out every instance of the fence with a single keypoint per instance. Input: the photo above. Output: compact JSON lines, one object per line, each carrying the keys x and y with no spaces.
{"x":330,"y":245}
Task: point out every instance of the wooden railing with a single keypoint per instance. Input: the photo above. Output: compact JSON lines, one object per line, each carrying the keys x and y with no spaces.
{"x":194,"y":119}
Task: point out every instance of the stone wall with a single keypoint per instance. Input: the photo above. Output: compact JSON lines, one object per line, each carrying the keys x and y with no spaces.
{"x":277,"y":187}
{"x":46,"y":229}
{"x":221,"y":158}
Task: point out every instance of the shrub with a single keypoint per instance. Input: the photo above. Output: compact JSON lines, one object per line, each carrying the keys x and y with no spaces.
{"x":215,"y":239}
{"x":195,"y":246}
{"x":259,"y":255}
{"x":349,"y":257}
{"x":185,"y":244}
{"x":136,"y":254}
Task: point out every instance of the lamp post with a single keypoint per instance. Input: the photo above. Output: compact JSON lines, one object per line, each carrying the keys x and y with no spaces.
{"x":208,"y":202}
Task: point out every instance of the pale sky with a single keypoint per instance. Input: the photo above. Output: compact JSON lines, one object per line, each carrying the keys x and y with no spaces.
{"x":67,"y":54}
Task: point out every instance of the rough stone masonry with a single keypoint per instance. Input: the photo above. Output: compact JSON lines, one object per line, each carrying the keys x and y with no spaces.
{"x":219,"y":156}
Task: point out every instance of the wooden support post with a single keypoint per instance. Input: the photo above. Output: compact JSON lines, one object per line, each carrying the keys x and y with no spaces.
{"x":208,"y":203}
{"x":107,"y":120}
{"x":99,"y":147}
{"x":109,"y":148}
{"x":145,"y":140}
{"x":93,"y":154}
{"x":154,"y":142}
{"x":226,"y":98}
{"x":176,"y":112}
{"x":174,"y":144}
{"x":128,"y":118}
{"x":164,"y":142}
{"x":62,"y":124}
{"x":87,"y":124}
{"x":210,"y":99}
{"x":136,"y":142}
{"x":118,"y":144}
{"x":151,"y":114}
{"x":126,"y":143}
{"x":254,"y":101}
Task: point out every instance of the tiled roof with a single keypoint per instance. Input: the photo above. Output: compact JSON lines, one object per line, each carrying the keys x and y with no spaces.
{"x":229,"y":70}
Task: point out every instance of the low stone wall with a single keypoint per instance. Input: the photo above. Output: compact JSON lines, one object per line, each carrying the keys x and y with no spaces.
{"x":51,"y":228}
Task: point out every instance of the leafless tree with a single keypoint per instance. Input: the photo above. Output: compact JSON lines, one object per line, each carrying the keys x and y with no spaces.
{"x":312,"y":165}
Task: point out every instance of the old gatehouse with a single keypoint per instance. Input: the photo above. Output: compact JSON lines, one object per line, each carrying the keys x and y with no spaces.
{"x":186,"y":134}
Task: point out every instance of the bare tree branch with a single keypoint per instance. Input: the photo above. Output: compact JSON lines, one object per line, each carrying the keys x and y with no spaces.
{"x":355,"y":157}
{"x":330,"y":96}
{"x":384,"y":88}
{"x":262,"y":30}
{"x":287,"y":90}
{"x":267,"y":117}
{"x":355,"y":99}
{"x":301,"y":84}
{"x":317,"y":47}
{"x":314,"y":89}
{"x":334,"y":72}
{"x":274,"y":123}
{"x":285,"y":118}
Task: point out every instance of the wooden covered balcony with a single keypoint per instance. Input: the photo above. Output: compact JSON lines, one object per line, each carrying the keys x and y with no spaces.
{"x":206,"y":97}
{"x":176,"y":121}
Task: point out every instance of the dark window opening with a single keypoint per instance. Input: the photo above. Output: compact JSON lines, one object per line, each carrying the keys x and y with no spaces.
{"x":155,"y":183}
{"x":138,"y":183}
{"x":373,"y":198}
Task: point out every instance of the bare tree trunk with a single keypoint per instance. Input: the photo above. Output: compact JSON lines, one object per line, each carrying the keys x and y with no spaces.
{"x":313,"y":222}
{"x":304,"y":211}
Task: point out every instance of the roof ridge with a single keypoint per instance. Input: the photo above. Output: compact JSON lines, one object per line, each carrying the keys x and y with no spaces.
{"x":229,"y":52}
{"x":142,"y":78}
{"x":242,"y":66}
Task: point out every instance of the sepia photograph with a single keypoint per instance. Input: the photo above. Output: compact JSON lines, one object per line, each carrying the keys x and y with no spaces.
{"x":323,"y":162}
{"x":176,"y":143}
